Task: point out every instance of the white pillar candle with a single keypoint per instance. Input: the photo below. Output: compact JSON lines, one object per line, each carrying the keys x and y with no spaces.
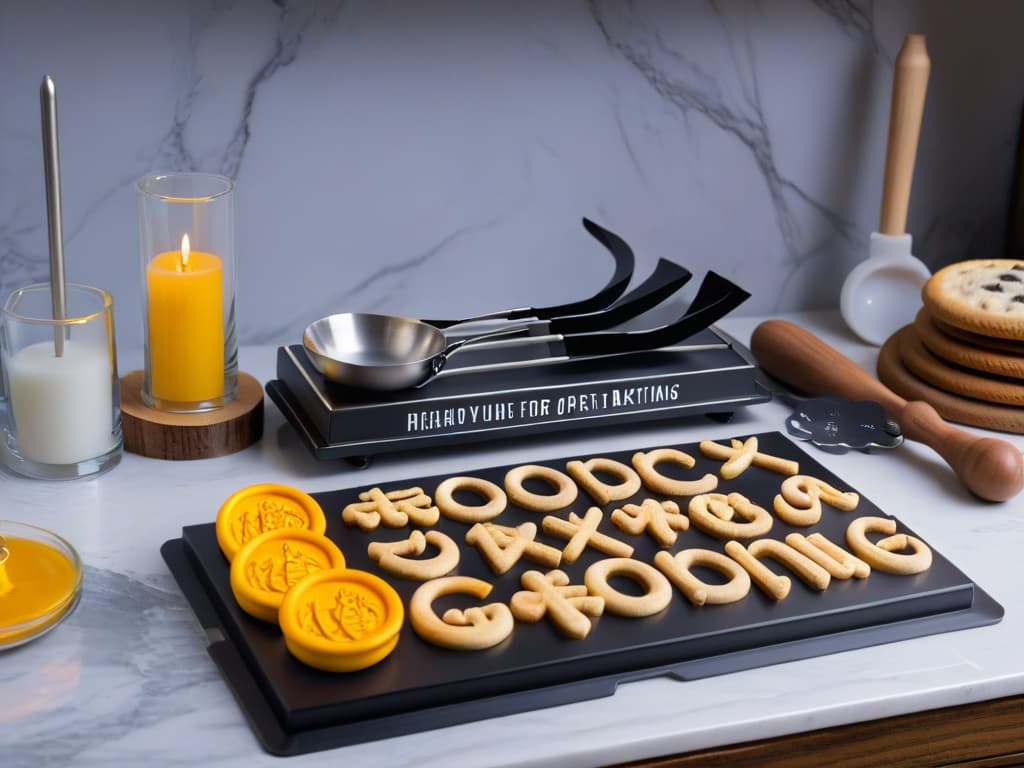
{"x":63,"y":406}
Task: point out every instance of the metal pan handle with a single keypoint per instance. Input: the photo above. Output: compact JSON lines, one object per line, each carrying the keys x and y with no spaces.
{"x":625,"y":263}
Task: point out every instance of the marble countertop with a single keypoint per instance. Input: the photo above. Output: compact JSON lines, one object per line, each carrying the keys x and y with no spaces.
{"x":126,"y":680}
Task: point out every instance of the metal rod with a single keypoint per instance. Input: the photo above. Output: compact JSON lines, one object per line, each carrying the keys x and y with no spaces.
{"x":51,"y":165}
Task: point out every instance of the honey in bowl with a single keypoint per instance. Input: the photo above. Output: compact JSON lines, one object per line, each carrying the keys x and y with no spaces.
{"x":40,"y":581}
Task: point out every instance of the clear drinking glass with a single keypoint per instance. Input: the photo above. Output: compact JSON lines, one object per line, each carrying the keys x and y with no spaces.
{"x":60,"y":411}
{"x":187,"y":249}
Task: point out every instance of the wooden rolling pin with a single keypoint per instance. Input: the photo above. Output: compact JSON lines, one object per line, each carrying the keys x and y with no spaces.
{"x":990,"y":468}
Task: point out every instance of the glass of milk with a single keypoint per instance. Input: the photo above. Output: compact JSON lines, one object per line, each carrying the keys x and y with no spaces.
{"x":60,"y":415}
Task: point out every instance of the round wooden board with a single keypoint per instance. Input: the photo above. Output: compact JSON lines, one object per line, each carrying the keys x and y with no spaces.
{"x":183,"y":436}
{"x":963,"y":410}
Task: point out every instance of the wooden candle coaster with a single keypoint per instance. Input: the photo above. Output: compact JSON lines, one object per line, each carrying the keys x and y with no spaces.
{"x":178,"y":436}
{"x":963,"y":410}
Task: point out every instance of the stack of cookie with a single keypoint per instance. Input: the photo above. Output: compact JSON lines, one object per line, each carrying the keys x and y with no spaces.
{"x":964,"y":352}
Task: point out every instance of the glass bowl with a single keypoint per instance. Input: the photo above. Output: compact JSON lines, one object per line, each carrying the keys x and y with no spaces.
{"x":40,"y":582}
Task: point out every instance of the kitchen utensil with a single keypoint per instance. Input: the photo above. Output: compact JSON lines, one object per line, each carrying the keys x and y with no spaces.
{"x":54,"y":217}
{"x":883,"y":293}
{"x":990,"y":468}
{"x":387,"y":353}
{"x":667,"y":278}
{"x":841,"y":424}
{"x":829,"y":422}
{"x":625,"y":262}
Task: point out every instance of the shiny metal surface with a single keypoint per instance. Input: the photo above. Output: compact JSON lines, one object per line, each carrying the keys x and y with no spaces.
{"x":54,"y":217}
{"x":382,"y":352}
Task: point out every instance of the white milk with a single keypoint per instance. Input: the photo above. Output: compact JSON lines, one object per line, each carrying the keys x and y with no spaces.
{"x":62,"y":406}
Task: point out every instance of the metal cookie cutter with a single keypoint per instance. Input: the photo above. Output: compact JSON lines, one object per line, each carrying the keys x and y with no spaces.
{"x":841,"y":424}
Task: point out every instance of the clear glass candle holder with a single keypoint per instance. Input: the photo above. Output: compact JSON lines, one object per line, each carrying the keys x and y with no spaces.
{"x":60,"y":401}
{"x":187,"y":249}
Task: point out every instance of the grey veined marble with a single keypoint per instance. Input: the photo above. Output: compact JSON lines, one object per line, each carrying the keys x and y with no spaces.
{"x":435,"y":158}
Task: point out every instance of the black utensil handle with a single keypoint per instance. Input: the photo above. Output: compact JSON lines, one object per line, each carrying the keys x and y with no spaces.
{"x":667,"y":278}
{"x":625,"y":263}
{"x":715,"y":298}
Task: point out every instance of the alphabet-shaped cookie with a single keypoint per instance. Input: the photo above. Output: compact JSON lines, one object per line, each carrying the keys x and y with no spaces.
{"x":799,"y":503}
{"x":581,"y":532}
{"x":885,"y":554}
{"x":839,"y":563}
{"x":677,"y":568}
{"x":474,"y":629}
{"x":583,"y":472}
{"x":646,"y":465}
{"x":397,"y":557}
{"x":444,"y":498}
{"x":393,"y":509}
{"x":740,"y":455}
{"x":567,"y":605}
{"x":564,"y":495}
{"x":662,"y":520}
{"x":713,"y":513}
{"x":657,"y":590}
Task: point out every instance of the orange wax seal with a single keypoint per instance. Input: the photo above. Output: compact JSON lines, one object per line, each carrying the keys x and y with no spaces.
{"x":265,"y":507}
{"x":265,"y":568}
{"x":342,"y":620}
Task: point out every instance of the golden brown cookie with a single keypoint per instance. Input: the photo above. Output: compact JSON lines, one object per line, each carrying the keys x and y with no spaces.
{"x":962,"y":410}
{"x":976,"y":339}
{"x":927,"y":367}
{"x":983,"y":296}
{"x":962,"y":353}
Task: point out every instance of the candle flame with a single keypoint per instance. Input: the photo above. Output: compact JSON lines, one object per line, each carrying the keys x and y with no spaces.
{"x":185,"y":250}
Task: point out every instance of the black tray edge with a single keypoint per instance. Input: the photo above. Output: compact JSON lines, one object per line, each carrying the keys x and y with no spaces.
{"x":276,"y":740}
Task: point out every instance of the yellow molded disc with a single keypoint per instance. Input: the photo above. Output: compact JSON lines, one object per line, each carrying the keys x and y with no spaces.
{"x":265,"y":507}
{"x":341,"y":620}
{"x":268,"y":566}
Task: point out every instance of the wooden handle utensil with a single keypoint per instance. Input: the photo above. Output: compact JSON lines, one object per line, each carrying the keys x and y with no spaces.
{"x":990,"y":468}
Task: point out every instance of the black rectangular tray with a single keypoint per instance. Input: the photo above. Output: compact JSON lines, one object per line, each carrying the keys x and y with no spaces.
{"x":704,"y":376}
{"x":294,"y":709}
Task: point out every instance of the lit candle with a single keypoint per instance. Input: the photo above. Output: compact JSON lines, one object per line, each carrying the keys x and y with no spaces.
{"x":186,"y":325}
{"x":62,"y":406}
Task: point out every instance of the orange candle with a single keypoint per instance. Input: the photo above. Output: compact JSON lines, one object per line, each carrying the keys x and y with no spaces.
{"x":186,"y":325}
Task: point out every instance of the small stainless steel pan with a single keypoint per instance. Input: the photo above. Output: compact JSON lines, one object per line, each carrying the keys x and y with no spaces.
{"x":386,"y":353}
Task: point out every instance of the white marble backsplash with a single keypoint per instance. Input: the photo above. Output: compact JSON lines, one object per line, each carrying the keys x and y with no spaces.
{"x":435,"y":158}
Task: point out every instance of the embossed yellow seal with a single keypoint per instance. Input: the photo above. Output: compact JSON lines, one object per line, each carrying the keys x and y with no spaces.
{"x":266,"y":567}
{"x":257,"y":509}
{"x":341,"y":620}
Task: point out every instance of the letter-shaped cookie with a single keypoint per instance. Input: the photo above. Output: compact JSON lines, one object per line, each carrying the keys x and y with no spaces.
{"x":677,"y":568}
{"x":646,"y":466}
{"x":581,"y":532}
{"x":775,"y":586}
{"x":885,"y":553}
{"x":392,"y":509}
{"x":564,"y":495}
{"x":713,"y":513}
{"x":444,"y":498}
{"x":739,"y":455}
{"x":601,"y":492}
{"x":837,"y":561}
{"x":660,"y":520}
{"x":396,"y":557}
{"x":657,"y":591}
{"x":470,"y":630}
{"x":801,"y":497}
{"x":568,"y":605}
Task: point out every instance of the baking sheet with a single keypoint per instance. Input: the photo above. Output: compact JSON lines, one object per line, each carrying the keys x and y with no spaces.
{"x":293,"y":708}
